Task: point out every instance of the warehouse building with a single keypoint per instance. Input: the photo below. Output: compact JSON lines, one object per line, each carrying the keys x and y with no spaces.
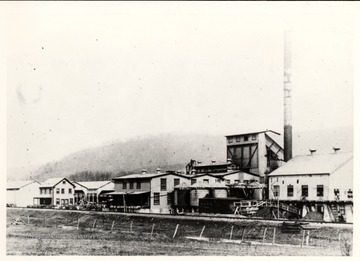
{"x":320,"y":183}
{"x":21,"y":193}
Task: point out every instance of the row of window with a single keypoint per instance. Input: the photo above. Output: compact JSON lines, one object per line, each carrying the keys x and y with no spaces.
{"x":238,"y":138}
{"x":305,"y":191}
{"x":163,"y":184}
{"x":48,"y":191}
{"x":64,"y":201}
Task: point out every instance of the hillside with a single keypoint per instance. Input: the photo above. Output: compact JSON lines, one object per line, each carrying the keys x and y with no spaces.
{"x":174,"y":151}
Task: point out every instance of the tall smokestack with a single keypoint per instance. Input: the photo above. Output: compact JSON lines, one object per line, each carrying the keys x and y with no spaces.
{"x":287,"y":97}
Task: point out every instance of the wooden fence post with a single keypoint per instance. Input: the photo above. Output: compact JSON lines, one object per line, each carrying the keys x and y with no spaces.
{"x":78,"y":223}
{"x":231,"y":232}
{"x":274,"y":235}
{"x":264,"y":235}
{"x":152,"y":230}
{"x":243,"y":234}
{"x":94,"y":225}
{"x":202,"y":231}
{"x":29,"y":221}
{"x":176,"y":229}
{"x":112,"y":225}
{"x":44,"y":222}
{"x":131,"y":224}
{"x":307,"y":238}
{"x":303,"y":238}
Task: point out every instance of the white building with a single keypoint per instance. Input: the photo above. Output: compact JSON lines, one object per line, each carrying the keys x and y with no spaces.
{"x":21,"y":193}
{"x":322,"y":182}
{"x":56,"y":191}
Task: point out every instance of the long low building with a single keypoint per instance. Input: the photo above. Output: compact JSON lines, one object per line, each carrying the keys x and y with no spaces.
{"x":320,"y":183}
{"x":21,"y":193}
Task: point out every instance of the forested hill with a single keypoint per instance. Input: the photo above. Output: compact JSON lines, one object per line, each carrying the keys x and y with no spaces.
{"x":171,"y":152}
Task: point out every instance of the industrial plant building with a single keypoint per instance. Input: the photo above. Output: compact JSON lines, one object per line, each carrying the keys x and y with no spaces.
{"x":316,"y":182}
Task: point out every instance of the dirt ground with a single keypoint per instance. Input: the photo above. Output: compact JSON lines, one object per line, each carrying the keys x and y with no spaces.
{"x":64,"y":233}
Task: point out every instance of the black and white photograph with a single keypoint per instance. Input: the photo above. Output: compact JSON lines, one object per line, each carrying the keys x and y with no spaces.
{"x":178,"y":128}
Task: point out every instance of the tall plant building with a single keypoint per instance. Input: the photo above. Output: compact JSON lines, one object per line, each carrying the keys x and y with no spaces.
{"x":255,"y":152}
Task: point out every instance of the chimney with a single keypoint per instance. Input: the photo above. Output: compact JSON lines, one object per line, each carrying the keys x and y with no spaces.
{"x":158,"y":170}
{"x":143,"y":171}
{"x":287,"y":97}
{"x":312,"y":151}
{"x":336,"y":149}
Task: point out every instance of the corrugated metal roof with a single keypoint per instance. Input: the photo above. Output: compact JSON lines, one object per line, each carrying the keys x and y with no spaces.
{"x":19,"y":184}
{"x":148,"y":176}
{"x":313,"y":164}
{"x":252,"y":132}
{"x":93,"y":184}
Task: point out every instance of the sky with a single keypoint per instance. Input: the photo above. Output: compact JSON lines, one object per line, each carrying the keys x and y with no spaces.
{"x":83,"y":76}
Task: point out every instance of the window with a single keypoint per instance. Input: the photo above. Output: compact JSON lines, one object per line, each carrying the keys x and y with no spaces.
{"x":62,"y":191}
{"x":169,"y":198}
{"x":282,"y":182}
{"x":320,"y":190}
{"x":253,"y":137}
{"x":41,"y":191}
{"x":206,"y":181}
{"x":124,"y":185}
{"x":57,"y":191}
{"x":163,"y":184}
{"x":138,"y":185}
{"x":304,"y":191}
{"x":350,"y":193}
{"x":156,"y":198}
{"x":57,"y":201}
{"x":230,"y":140}
{"x":246,"y":138}
{"x":337,"y":194}
{"x":70,"y":191}
{"x":262,"y":180}
{"x":71,"y":201}
{"x":276,"y":191}
{"x":131,"y":184}
{"x":290,"y":190}
{"x":237,"y":138}
{"x":176,"y":182}
{"x":64,"y":182}
{"x":297,"y":181}
{"x":227,"y":181}
{"x":237,"y":181}
{"x":193,"y":181}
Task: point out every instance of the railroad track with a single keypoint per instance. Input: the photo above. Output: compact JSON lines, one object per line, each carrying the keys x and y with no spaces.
{"x":217,"y":217}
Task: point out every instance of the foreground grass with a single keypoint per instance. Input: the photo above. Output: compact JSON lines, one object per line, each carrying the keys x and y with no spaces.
{"x":23,"y":240}
{"x":54,"y":233}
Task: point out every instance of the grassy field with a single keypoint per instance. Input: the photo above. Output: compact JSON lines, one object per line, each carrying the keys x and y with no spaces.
{"x":56,"y":233}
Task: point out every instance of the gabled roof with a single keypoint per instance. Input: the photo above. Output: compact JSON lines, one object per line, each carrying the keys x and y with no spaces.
{"x":92,"y":184}
{"x":252,"y":132}
{"x":203,"y":174}
{"x":148,"y":176}
{"x":19,"y":184}
{"x":234,"y":172}
{"x":50,"y":183}
{"x":313,"y":164}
